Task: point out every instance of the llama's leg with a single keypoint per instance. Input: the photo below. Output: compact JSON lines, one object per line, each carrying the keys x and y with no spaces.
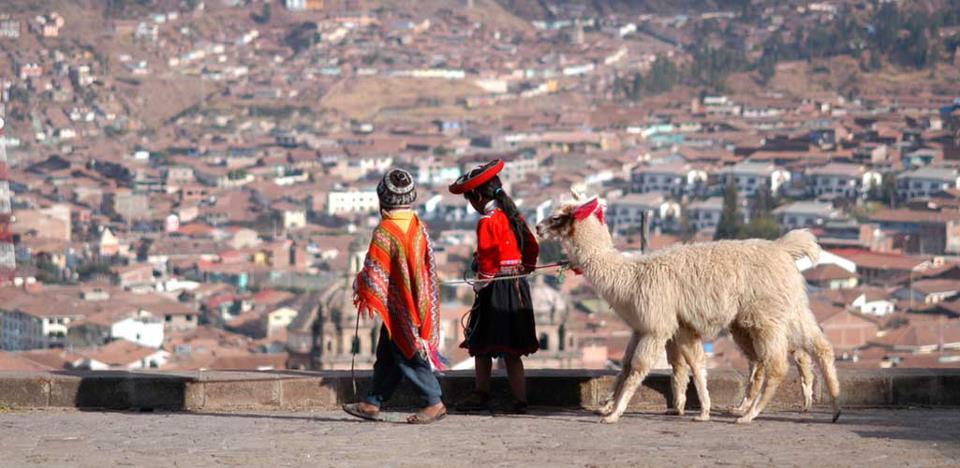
{"x":824,"y":353}
{"x":679,"y":378}
{"x":804,"y":367}
{"x":754,"y":383}
{"x":692,"y":349}
{"x":773,"y":365}
{"x":627,"y":367}
{"x":741,"y":336}
{"x":648,"y":348}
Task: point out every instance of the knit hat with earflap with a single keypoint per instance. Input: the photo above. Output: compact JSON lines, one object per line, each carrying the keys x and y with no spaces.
{"x":396,"y":189}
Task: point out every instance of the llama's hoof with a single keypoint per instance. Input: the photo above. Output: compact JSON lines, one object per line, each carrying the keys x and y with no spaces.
{"x":744,"y":420}
{"x":836,"y":416}
{"x":738,"y":411}
{"x":610,"y":419}
{"x":674,"y":412}
{"x":702,"y":418}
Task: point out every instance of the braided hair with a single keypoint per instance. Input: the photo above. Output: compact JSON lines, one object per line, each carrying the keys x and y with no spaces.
{"x":493,"y":190}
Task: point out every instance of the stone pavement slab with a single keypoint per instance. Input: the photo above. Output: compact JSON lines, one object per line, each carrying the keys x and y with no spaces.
{"x":866,"y":437}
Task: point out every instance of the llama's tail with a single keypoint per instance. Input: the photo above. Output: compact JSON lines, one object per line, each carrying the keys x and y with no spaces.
{"x":800,"y":243}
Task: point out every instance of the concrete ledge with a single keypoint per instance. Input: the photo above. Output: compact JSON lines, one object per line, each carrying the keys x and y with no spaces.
{"x":291,"y":390}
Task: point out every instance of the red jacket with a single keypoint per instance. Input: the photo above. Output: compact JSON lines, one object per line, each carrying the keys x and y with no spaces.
{"x":497,"y":245}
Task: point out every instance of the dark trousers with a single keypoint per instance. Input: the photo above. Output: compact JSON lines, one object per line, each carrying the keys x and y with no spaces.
{"x":390,"y":369}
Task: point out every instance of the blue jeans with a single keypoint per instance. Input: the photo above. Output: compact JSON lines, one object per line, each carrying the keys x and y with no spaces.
{"x":390,"y":369}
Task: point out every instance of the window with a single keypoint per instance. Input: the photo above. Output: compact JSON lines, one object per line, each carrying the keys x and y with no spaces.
{"x":189,"y":318}
{"x":168,"y":318}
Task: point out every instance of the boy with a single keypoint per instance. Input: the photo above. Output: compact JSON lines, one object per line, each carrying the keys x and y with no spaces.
{"x":398,"y":282}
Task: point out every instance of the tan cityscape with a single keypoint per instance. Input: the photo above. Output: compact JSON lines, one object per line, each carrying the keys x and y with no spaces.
{"x":192,"y":186}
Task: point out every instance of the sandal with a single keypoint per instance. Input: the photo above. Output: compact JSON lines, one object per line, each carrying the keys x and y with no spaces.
{"x":476,"y":401}
{"x":354,"y":409}
{"x":421,"y":418}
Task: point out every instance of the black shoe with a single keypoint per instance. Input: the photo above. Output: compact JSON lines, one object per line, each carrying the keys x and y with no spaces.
{"x":475,"y":402}
{"x":520,"y":407}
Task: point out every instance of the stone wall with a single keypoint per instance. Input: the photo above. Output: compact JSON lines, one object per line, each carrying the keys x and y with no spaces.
{"x":560,"y":389}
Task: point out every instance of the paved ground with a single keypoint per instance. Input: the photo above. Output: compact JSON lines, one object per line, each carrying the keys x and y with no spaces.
{"x":881,"y":437}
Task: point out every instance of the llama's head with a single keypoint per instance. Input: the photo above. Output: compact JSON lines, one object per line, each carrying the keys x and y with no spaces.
{"x":578,"y":223}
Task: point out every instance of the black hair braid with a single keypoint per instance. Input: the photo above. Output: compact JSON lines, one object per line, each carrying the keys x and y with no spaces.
{"x":493,"y":190}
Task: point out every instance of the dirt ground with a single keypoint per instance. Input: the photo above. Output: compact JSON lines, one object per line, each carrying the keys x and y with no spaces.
{"x":879,"y":437}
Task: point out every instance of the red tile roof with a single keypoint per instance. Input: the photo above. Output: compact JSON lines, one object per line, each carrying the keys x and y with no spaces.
{"x":827,"y":272}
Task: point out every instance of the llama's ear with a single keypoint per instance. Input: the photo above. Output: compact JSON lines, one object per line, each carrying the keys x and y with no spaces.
{"x":576,"y":192}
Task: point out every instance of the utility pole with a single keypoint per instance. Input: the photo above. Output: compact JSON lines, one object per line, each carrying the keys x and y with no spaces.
{"x":644,"y":230}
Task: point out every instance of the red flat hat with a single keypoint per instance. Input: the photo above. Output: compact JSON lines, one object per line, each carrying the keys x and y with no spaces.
{"x":476,"y":177}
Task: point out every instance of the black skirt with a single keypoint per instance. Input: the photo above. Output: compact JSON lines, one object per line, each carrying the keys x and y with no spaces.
{"x":501,"y":321}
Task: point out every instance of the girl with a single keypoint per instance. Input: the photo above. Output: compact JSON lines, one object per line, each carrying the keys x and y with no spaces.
{"x":501,"y":322}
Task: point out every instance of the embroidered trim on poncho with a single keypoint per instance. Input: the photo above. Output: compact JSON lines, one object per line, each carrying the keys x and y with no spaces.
{"x":399,"y":282}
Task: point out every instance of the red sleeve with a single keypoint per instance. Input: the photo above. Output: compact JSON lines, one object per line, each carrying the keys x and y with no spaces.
{"x":531,"y":249}
{"x":488,"y":248}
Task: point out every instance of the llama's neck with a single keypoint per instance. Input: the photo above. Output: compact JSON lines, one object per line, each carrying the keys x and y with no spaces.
{"x":602,"y":264}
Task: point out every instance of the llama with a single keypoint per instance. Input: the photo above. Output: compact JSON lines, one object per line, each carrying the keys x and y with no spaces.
{"x":688,"y":293}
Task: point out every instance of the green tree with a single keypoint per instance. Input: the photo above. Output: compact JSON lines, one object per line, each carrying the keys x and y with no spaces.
{"x":265,"y":14}
{"x":687,"y":231}
{"x":886,"y":192}
{"x":662,"y":77}
{"x":760,"y":228}
{"x":767,"y":68}
{"x":762,"y":224}
{"x":730,"y":220}
{"x":636,"y":87}
{"x":763,"y":203}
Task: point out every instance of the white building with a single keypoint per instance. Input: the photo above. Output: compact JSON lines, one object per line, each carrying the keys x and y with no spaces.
{"x":750,"y":175}
{"x":927,"y":181}
{"x":674,"y":178}
{"x":31,"y":320}
{"x":805,"y":214}
{"x":433,"y":171}
{"x":874,"y":303}
{"x":705,"y":214}
{"x":279,"y":319}
{"x":303,"y":5}
{"x":20,"y":331}
{"x":625,"y":213}
{"x":294,"y":217}
{"x":122,"y":355}
{"x":842,"y":180}
{"x":352,"y":201}
{"x":142,"y":328}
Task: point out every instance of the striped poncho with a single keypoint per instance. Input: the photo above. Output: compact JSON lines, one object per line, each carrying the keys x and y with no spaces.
{"x":399,"y":282}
